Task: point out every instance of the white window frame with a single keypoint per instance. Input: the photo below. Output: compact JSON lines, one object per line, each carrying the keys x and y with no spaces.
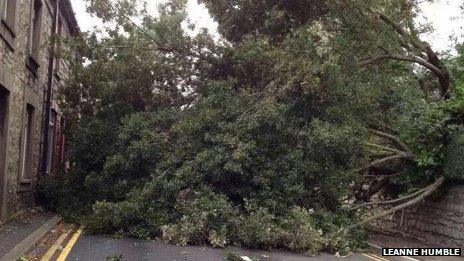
{"x":27,"y":140}
{"x":8,"y":13}
{"x":51,"y":140}
{"x":35,"y":28}
{"x":5,"y":9}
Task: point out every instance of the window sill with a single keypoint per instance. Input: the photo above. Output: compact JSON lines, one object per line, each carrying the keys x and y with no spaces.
{"x":7,"y":34}
{"x":26,"y":181}
{"x":26,"y":185}
{"x":8,"y":27}
{"x":32,"y":64}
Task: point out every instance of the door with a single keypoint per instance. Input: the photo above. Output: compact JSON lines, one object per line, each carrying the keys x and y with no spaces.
{"x":3,"y":141}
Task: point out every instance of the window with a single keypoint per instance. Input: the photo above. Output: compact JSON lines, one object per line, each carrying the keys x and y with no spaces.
{"x":35,"y":29}
{"x":51,"y":141}
{"x":8,"y":12}
{"x":7,"y":22}
{"x":27,"y":138}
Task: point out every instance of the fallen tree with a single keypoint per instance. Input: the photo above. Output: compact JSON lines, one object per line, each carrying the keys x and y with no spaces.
{"x":277,"y":137}
{"x":416,"y":51}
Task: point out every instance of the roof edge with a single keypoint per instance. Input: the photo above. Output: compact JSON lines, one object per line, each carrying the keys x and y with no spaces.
{"x":68,"y":13}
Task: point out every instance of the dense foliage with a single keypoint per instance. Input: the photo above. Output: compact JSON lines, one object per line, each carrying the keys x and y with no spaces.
{"x":263,"y":139}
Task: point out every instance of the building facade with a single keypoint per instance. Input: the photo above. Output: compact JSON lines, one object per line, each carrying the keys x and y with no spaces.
{"x":32,"y":37}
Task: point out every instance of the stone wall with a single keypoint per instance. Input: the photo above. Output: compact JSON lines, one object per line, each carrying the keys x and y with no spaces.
{"x":439,"y":221}
{"x":25,"y":87}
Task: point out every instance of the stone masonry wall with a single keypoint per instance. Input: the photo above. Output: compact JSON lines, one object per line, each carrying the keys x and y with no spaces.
{"x":24,"y":88}
{"x":439,"y":221}
{"x":13,"y":63}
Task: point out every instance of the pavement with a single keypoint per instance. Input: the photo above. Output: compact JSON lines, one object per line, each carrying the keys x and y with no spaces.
{"x":19,"y":228}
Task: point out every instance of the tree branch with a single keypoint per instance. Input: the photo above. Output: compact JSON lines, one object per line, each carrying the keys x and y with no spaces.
{"x":396,"y":140}
{"x":393,"y":201}
{"x":375,"y":187}
{"x":380,"y":161}
{"x":385,"y":148}
{"x":379,"y":153}
{"x":431,"y":57}
{"x":399,"y":29}
{"x":432,"y":188}
{"x":385,"y":176}
{"x":165,"y":48}
{"x":398,"y":57}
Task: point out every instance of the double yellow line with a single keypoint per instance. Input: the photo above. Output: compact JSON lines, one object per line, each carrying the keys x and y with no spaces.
{"x":67,"y":249}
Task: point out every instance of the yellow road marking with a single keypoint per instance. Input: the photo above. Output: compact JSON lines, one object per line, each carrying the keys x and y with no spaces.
{"x":70,"y":245}
{"x":51,"y":251}
{"x":410,"y":258}
{"x":378,"y":257}
{"x":375,"y":257}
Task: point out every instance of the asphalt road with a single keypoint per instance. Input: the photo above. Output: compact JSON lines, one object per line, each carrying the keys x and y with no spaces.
{"x":90,"y":248}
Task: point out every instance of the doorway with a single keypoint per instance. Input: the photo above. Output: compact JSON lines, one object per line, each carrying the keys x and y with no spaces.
{"x":3,"y":141}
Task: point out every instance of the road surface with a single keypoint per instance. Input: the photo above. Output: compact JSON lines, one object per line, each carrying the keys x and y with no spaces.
{"x":71,"y":244}
{"x":101,"y":247}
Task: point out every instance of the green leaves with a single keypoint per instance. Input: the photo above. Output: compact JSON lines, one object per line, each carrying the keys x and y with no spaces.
{"x":240,"y":19}
{"x":256,"y":141}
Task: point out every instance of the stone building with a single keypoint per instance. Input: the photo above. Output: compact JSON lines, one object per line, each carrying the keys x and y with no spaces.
{"x":32,"y":35}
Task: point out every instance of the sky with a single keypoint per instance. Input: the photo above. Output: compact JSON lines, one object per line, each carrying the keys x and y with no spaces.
{"x":198,"y":14}
{"x":447,"y":19}
{"x":444,"y":15}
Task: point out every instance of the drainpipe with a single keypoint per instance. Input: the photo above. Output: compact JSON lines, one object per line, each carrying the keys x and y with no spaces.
{"x":48,"y":96}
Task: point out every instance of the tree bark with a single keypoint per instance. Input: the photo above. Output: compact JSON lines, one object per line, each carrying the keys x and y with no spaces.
{"x":385,"y":176}
{"x":425,"y":52}
{"x":385,"y":148}
{"x":380,"y":161}
{"x":396,"y":140}
{"x":399,"y":57}
{"x":390,"y":201}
